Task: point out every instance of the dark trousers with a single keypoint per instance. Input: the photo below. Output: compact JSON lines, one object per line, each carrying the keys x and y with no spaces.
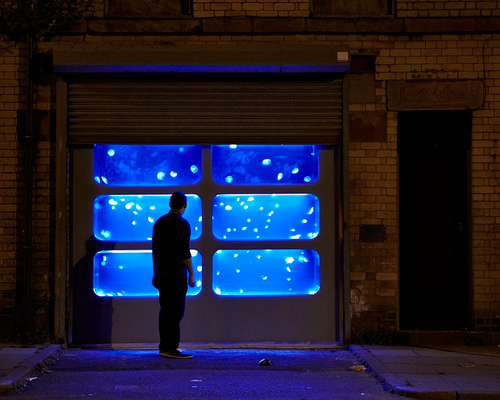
{"x":172,"y":305}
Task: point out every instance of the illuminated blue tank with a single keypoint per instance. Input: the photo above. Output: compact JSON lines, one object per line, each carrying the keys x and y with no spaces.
{"x":147,"y":165}
{"x":265,"y":216}
{"x":271,"y":272}
{"x":128,"y":273}
{"x":130,"y":218}
{"x":252,"y":217}
{"x":265,"y":165}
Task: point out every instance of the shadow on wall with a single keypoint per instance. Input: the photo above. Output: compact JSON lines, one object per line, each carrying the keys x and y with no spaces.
{"x":92,"y":315}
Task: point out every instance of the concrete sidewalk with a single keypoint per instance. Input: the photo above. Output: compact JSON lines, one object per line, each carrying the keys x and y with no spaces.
{"x":462,"y":373}
{"x":458,"y":372}
{"x":18,"y":363}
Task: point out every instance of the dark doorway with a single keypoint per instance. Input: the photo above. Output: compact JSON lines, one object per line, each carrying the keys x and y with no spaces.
{"x":433,"y":199}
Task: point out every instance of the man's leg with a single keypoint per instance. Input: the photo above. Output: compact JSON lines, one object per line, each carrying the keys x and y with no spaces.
{"x":172,"y":306}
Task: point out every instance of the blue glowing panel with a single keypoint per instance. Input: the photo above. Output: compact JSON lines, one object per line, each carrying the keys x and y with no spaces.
{"x":277,"y":272}
{"x":130,"y":218}
{"x":128,"y":273}
{"x":147,"y":165}
{"x":265,"y":216}
{"x":265,"y":165}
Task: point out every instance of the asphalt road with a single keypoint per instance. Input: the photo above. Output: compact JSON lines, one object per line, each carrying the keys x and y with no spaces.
{"x":211,"y":374}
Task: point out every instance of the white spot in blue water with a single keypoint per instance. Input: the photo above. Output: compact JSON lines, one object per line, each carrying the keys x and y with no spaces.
{"x":295,"y":170}
{"x":112,"y":202}
{"x":310,"y":211}
{"x":194,"y":169}
{"x":307,"y":179}
{"x":229,"y":179}
{"x":104,"y":180}
{"x":181,"y":149}
{"x":106,"y":234}
{"x":289,"y":260}
{"x":199,"y":268}
{"x":266,"y":162}
{"x":173,"y":174}
{"x":228,"y":208}
{"x":217,"y":291}
{"x":232,"y":146}
{"x":280,"y":176}
{"x":304,"y":221}
{"x":97,"y":179}
{"x":160,"y":176}
{"x":111,"y":152}
{"x":152,"y":208}
{"x":128,"y":206}
{"x":151,"y":219}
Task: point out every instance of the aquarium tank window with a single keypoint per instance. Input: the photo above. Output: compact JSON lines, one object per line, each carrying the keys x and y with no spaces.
{"x":261,"y":198}
{"x":270,"y":272}
{"x":265,"y":165}
{"x":130,"y":218}
{"x":128,"y":273}
{"x":147,"y":165}
{"x":265,"y":216}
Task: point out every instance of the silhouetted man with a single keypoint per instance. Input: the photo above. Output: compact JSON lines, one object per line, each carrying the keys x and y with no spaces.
{"x":173,"y":270}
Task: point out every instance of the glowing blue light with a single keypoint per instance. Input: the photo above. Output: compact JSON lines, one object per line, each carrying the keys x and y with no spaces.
{"x":130,"y":218}
{"x":265,"y":272}
{"x":128,"y":273}
{"x":265,"y":217}
{"x":145,"y":165}
{"x":261,"y":165}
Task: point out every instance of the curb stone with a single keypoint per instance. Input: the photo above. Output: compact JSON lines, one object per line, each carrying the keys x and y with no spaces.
{"x":17,"y":377}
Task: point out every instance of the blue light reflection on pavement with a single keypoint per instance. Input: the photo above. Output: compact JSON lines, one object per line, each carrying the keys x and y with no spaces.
{"x":128,"y":273}
{"x":130,"y":218}
{"x":266,"y":272}
{"x":265,"y":216}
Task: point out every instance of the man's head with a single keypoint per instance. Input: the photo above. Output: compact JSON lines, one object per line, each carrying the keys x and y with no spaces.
{"x":178,"y":200}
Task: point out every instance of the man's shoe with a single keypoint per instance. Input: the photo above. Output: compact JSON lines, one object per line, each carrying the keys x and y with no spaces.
{"x":175,"y":354}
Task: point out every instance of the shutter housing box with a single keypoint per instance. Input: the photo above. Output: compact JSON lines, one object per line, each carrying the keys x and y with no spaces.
{"x":228,"y":94}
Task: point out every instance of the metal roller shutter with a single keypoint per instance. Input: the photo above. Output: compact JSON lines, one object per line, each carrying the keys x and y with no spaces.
{"x":205,"y":111}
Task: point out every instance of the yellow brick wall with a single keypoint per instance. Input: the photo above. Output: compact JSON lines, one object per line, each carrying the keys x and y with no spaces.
{"x":447,"y":8}
{"x":372,"y":166}
{"x":10,"y":185}
{"x":250,"y":8}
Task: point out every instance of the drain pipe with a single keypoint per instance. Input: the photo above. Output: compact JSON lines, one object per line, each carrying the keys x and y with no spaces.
{"x":28,"y":191}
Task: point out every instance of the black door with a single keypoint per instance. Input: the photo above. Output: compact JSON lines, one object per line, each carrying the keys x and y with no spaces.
{"x":433,"y":208}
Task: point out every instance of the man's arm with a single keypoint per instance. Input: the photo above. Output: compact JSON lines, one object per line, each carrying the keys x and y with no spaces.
{"x":189,"y":265}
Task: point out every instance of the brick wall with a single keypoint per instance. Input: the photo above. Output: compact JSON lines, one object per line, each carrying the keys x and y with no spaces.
{"x":446,"y":8}
{"x":255,"y":8}
{"x":372,"y":164}
{"x":11,"y":71}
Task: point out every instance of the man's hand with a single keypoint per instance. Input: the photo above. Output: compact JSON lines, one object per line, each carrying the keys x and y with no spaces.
{"x":191,"y":281}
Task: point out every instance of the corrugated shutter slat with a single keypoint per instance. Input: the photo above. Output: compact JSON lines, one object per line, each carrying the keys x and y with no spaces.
{"x":205,"y":112}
